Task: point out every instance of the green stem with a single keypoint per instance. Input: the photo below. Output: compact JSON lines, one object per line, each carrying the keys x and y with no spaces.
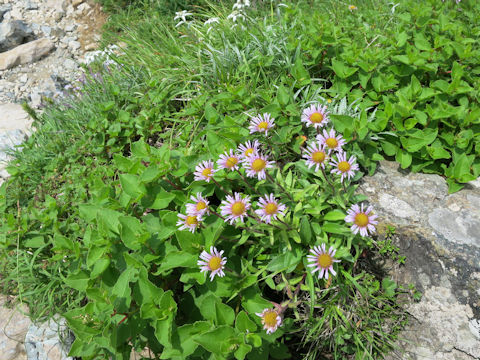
{"x":245,"y":180}
{"x":328,"y":181}
{"x":280,"y":186}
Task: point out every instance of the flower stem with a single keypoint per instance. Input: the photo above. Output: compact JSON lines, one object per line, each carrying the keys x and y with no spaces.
{"x":286,"y":224}
{"x":220,"y":186}
{"x":255,"y":217}
{"x":280,"y":186}
{"x":328,"y":181}
{"x":245,"y":180}
{"x":237,"y":226}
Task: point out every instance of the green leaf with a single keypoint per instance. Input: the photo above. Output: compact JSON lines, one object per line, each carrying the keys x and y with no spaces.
{"x":284,"y":262}
{"x":244,"y":324}
{"x":132,"y":232}
{"x":242,"y":351}
{"x":404,"y":158}
{"x":389,"y":286}
{"x":300,"y":73}
{"x":341,"y":70}
{"x":418,"y":138}
{"x":78,"y":280}
{"x":35,"y":242}
{"x":282,"y":95}
{"x":211,"y":114}
{"x":334,"y":215}
{"x":335,"y":228}
{"x":305,"y":229}
{"x":100,"y":266}
{"x":210,"y":340}
{"x":132,"y":185}
{"x":162,"y":200}
{"x":175,"y":259}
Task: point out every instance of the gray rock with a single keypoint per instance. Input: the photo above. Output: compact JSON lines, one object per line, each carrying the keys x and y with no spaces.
{"x":13,"y":33}
{"x":9,"y":140}
{"x":47,"y":30}
{"x":48,"y":341}
{"x":3,"y":9}
{"x":13,"y":327}
{"x":30,"y":5}
{"x":70,"y":27}
{"x":74,"y":45}
{"x":439,"y":235}
{"x":26,"y":53}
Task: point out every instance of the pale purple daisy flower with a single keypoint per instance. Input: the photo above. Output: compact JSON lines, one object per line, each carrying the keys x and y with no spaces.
{"x":343,"y":167}
{"x":235,"y":207}
{"x":204,"y":171}
{"x":270,"y":320}
{"x":331,"y":140}
{"x":316,"y":156}
{"x":213,"y":262}
{"x":269,"y":208}
{"x":322,"y":261}
{"x":247,"y":149}
{"x":316,"y":116}
{"x":256,"y":164}
{"x":261,"y":123}
{"x":199,"y":207}
{"x":188,"y":222}
{"x":363,"y":220}
{"x":228,"y":160}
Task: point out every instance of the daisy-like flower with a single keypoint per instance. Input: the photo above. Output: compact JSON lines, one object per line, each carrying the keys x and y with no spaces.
{"x":213,"y":262}
{"x":204,"y":171}
{"x":235,"y":207}
{"x":322,"y":261}
{"x":316,"y":155}
{"x":270,"y":208}
{"x":352,"y":7}
{"x":316,"y":116}
{"x":270,"y":320}
{"x":247,"y":149}
{"x":199,"y":207}
{"x":331,"y":140}
{"x":363,"y":219}
{"x":214,"y":20}
{"x":188,"y":222}
{"x":228,"y":160}
{"x":256,"y":164}
{"x":261,"y":123}
{"x":343,"y":167}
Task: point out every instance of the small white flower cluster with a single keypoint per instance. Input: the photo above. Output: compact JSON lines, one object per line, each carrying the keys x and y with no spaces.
{"x":238,"y":12}
{"x":105,"y":55}
{"x":182,"y":16}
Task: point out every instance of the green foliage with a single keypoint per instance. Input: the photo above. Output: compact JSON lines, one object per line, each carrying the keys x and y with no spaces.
{"x":89,"y":214}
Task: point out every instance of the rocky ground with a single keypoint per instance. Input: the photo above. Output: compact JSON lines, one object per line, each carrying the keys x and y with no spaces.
{"x":439,"y":235}
{"x":43,"y":42}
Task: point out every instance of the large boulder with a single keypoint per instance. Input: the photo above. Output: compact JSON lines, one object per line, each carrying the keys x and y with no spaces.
{"x":439,"y":234}
{"x":26,"y":53}
{"x":14,"y":33}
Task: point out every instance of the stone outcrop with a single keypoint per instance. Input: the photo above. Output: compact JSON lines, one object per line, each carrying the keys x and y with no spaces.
{"x":439,"y":235}
{"x":13,"y":327}
{"x":49,"y":340}
{"x":26,"y":53}
{"x":13,"y":33}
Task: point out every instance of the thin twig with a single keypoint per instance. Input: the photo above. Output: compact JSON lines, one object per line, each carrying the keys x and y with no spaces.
{"x":280,"y":186}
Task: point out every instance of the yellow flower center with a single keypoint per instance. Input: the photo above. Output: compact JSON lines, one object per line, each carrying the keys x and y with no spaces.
{"x":329,"y":101}
{"x":258,"y":165}
{"x":249,"y":152}
{"x":331,"y":143}
{"x":361,"y":220}
{"x":238,"y":208}
{"x":352,"y":7}
{"x":271,"y":208}
{"x":343,"y":166}
{"x":207,"y":172}
{"x":270,"y":318}
{"x":214,"y":263}
{"x":316,"y":118}
{"x":191,"y":220}
{"x":231,"y":162}
{"x":263,"y":125}
{"x":201,"y":205}
{"x":324,"y":261}
{"x":318,"y":157}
